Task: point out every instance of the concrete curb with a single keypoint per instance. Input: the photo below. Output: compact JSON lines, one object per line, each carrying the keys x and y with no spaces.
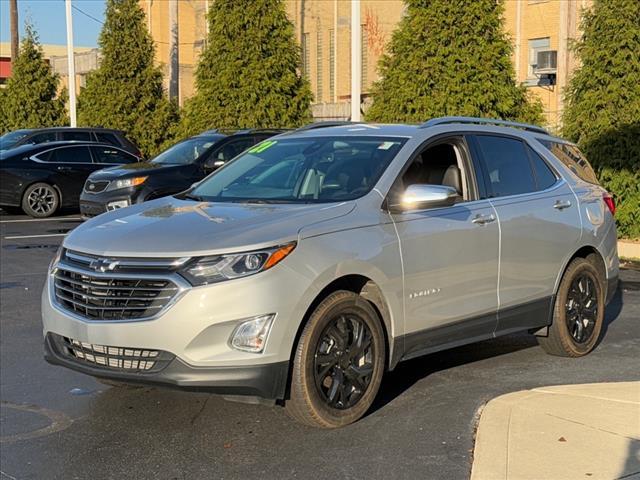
{"x":562,"y":432}
{"x":628,"y":249}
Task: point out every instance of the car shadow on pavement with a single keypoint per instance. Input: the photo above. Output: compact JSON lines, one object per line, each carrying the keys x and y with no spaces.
{"x":407,"y":373}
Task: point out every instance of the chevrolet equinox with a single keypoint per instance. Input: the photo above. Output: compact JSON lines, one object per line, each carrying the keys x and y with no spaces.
{"x":318,"y":259}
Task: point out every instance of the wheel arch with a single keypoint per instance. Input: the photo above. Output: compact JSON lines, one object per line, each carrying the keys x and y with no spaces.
{"x":588,"y":252}
{"x":369,"y":290}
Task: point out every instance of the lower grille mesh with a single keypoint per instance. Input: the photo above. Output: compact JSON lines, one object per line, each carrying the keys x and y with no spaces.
{"x":128,"y":359}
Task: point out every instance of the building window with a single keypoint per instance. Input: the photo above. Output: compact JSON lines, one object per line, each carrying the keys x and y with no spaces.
{"x":305,"y":54}
{"x":364,"y":49}
{"x":319,"y":66}
{"x":332,"y":66}
{"x":536,"y":45}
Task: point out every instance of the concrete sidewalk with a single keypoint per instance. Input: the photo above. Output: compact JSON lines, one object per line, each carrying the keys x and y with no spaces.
{"x":587,"y":431}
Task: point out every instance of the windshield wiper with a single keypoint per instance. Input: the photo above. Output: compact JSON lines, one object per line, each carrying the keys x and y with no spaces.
{"x":188,"y":196}
{"x":259,"y":201}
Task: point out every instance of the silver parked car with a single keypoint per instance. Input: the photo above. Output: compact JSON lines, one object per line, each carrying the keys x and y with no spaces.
{"x":317,"y":260}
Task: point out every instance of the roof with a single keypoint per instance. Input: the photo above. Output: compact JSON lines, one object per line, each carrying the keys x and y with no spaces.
{"x":362,"y":129}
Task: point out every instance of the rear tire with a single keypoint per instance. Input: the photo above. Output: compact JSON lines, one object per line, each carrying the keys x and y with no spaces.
{"x":578,"y":312}
{"x":40,"y":200}
{"x":338,"y":363}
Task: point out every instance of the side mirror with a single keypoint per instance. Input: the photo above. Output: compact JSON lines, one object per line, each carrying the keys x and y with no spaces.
{"x":421,"y":196}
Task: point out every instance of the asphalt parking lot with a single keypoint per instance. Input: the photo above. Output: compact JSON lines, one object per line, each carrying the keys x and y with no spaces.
{"x":61,"y":424}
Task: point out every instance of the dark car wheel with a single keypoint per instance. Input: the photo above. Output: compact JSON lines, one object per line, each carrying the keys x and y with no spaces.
{"x":578,"y":314}
{"x":40,"y":200}
{"x":338,"y":363}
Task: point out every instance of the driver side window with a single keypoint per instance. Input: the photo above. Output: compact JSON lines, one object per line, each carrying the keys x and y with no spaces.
{"x":440,"y":164}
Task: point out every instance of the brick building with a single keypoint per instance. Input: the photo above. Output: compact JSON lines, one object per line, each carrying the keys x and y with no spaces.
{"x":323,"y":30}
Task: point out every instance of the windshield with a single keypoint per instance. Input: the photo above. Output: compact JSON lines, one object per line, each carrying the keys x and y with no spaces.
{"x":186,"y":151}
{"x":8,"y":140}
{"x":325,"y":169}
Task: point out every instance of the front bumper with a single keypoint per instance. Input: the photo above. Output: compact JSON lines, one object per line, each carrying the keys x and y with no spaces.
{"x":266,"y":381}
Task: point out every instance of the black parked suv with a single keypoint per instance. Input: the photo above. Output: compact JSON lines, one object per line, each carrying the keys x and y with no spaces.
{"x":40,"y":179}
{"x":172,"y":171}
{"x":34,"y":136}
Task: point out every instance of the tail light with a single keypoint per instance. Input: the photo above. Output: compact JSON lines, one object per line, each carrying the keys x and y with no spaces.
{"x":609,"y":202}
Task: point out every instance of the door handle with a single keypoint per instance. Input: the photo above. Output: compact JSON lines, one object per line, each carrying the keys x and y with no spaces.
{"x":62,"y":169}
{"x":561,"y":204}
{"x":482,"y":219}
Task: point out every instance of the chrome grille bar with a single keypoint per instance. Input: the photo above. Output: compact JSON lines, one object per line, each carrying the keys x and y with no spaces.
{"x":100,"y":296}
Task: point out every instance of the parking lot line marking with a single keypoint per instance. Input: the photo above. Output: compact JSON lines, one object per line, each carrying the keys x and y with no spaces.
{"x":18,"y":237}
{"x":59,"y":219}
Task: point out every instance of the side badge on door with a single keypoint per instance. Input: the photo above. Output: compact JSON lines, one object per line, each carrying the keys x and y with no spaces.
{"x":424,"y":293}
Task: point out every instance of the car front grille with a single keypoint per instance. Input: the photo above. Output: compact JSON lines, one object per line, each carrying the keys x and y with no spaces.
{"x":100,"y":297}
{"x":133,"y":360}
{"x":98,"y":186}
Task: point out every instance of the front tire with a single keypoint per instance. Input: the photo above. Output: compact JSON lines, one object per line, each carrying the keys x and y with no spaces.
{"x":578,"y":312}
{"x":40,"y":200}
{"x":338,"y":363}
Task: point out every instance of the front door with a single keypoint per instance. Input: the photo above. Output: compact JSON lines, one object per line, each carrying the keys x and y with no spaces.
{"x":450,"y":256}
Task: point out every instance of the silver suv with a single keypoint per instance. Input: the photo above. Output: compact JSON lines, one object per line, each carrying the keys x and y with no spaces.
{"x":317,"y":260}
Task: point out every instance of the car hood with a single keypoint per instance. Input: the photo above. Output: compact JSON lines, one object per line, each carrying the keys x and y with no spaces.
{"x":170,"y":227}
{"x":133,"y":170}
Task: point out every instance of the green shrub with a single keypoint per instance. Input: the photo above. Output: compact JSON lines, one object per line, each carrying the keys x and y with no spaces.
{"x":450,"y":58}
{"x":126,"y":92}
{"x":248,"y":73}
{"x":31,"y":98}
{"x":603,"y":103}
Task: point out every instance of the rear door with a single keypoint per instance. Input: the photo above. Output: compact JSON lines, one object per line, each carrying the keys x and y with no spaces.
{"x":539,"y":228}
{"x":70,"y":167}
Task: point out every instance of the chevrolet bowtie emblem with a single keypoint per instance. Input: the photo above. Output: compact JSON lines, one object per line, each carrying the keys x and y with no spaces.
{"x":103,"y":265}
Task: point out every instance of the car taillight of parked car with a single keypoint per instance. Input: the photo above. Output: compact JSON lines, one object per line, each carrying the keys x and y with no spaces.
{"x":609,"y":202}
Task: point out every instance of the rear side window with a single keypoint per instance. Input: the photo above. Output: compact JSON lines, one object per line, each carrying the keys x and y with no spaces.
{"x":507,"y":165}
{"x":109,"y":138}
{"x":70,"y":155}
{"x":545,"y":177}
{"x":572,"y":158}
{"x":112,"y":155}
{"x":76,"y":136}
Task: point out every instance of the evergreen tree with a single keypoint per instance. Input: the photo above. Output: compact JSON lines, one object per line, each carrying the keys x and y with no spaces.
{"x":126,"y":91}
{"x":603,"y":103}
{"x":30,"y":99}
{"x":450,"y":58}
{"x":248,"y":73}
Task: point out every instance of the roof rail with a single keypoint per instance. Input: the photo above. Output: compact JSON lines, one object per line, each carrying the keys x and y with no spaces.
{"x":325,"y":124}
{"x":483,"y":121}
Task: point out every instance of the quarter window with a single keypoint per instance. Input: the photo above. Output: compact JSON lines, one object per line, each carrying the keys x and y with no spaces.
{"x":545,"y":178}
{"x":573,"y":158}
{"x":107,"y":138}
{"x":111,"y":155}
{"x":507,"y":165}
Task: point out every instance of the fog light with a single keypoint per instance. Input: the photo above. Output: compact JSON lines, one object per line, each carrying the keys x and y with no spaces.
{"x":118,"y":204}
{"x":251,"y":335}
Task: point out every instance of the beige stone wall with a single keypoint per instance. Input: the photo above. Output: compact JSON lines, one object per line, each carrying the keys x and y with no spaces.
{"x":317,"y":20}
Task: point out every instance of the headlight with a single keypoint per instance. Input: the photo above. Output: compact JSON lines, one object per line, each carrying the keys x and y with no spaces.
{"x":127,"y":182}
{"x":56,"y":258}
{"x":218,"y":268}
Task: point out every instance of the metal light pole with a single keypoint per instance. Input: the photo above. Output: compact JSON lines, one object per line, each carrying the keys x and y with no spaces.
{"x":71,"y":66}
{"x":356,"y":60}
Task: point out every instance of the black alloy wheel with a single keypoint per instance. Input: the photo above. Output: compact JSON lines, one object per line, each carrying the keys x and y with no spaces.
{"x":344,"y":361}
